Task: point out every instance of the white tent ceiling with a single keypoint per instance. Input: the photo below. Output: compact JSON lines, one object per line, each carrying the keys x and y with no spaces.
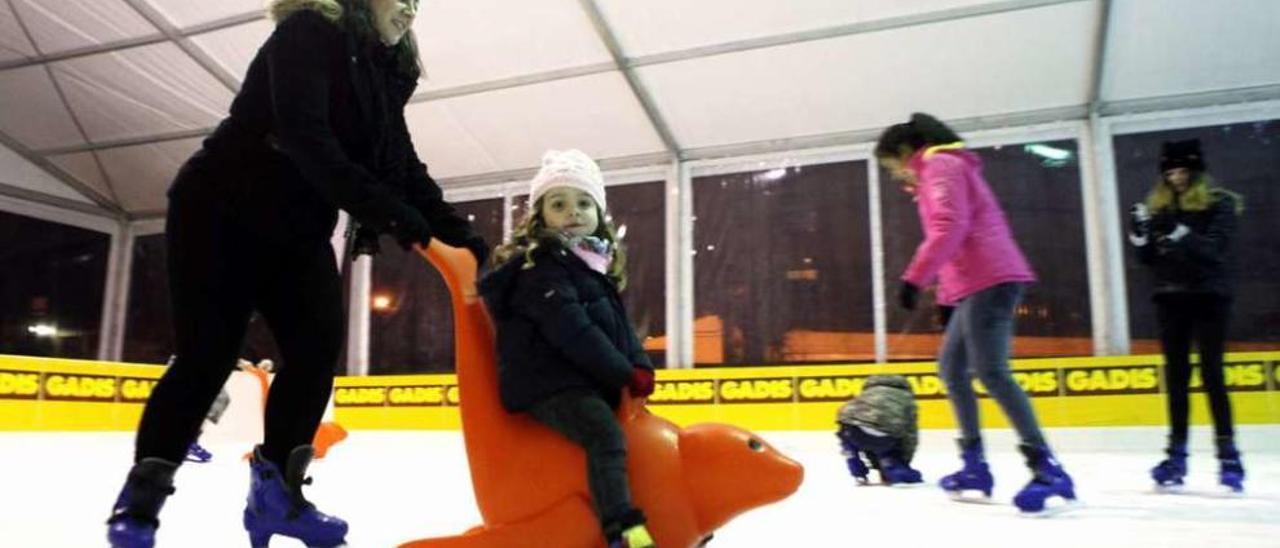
{"x":103,"y":99}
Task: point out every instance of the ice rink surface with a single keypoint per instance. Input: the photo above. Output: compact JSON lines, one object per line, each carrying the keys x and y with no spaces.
{"x":397,"y":486}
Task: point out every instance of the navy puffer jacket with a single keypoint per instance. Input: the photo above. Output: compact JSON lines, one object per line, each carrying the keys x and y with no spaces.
{"x":560,"y":326}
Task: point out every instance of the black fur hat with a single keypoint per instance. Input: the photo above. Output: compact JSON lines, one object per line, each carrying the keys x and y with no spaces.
{"x":1175,"y":154}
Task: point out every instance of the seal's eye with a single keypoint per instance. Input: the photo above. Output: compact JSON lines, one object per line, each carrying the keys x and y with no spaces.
{"x":755,"y":444}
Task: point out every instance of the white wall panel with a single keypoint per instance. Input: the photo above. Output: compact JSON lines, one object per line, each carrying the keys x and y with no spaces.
{"x":595,"y":113}
{"x":185,"y":13}
{"x":465,"y":42}
{"x":234,"y":47}
{"x":146,"y":171}
{"x":13,"y":42}
{"x":17,"y":171}
{"x":141,"y":91}
{"x":656,"y":26}
{"x":63,"y":25}
{"x":82,"y":166}
{"x":31,"y":112}
{"x":1171,"y":47}
{"x":989,"y":65}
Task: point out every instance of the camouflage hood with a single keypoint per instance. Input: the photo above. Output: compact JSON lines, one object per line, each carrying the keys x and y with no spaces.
{"x":886,"y":404}
{"x":889,"y":381}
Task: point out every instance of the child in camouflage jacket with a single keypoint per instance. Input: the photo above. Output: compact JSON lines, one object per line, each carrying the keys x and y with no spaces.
{"x":880,"y":424}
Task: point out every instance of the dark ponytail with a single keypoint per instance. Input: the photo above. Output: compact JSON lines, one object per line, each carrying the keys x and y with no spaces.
{"x":922,"y":131}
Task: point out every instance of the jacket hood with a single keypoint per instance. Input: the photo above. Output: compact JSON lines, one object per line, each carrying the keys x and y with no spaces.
{"x":890,"y":381}
{"x":278,"y":10}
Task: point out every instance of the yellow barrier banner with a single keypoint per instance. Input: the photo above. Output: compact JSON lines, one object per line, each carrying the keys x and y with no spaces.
{"x":59,"y":394}
{"x":56,"y":394}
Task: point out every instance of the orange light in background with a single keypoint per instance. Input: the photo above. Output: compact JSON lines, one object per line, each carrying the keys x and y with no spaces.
{"x":381,"y":303}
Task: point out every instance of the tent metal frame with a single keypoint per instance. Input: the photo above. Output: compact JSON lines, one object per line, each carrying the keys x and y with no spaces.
{"x":1092,"y":124}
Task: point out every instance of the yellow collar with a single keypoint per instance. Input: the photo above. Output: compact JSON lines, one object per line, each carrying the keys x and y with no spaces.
{"x":929,"y":152}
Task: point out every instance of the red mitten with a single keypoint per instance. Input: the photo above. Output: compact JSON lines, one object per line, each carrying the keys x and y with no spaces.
{"x":641,"y":382}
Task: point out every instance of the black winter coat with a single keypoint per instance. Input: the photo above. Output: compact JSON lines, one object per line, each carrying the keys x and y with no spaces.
{"x":560,"y":326}
{"x":1201,"y":262}
{"x":318,"y":126}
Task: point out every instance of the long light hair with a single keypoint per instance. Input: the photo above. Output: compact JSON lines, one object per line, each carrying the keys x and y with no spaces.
{"x":1200,"y":195}
{"x":532,"y":232}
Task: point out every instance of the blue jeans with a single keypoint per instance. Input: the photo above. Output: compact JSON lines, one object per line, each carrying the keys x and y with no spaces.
{"x":977,"y":345}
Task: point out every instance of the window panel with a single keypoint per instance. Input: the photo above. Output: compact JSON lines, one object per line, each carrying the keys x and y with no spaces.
{"x":52,"y":279}
{"x":1038,"y":186}
{"x":782,"y":266}
{"x":1244,"y":158}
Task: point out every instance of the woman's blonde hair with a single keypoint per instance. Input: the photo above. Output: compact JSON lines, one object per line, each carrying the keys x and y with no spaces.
{"x":1199,"y":196}
{"x":530,"y":233}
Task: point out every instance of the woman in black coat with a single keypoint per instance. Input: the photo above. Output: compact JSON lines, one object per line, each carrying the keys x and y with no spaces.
{"x":318,"y":126}
{"x":1183,"y":233}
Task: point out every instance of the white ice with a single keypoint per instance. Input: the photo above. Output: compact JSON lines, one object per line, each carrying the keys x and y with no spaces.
{"x":397,"y":486}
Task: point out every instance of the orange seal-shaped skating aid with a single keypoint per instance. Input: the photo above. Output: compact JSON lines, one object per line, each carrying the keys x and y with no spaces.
{"x":531,"y":484}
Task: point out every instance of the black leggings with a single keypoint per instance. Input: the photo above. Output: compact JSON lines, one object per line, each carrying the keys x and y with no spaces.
{"x":588,"y":422}
{"x":1183,"y":316}
{"x":219,"y":274}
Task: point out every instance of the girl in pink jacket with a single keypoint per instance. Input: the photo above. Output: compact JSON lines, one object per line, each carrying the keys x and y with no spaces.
{"x":969,"y":251}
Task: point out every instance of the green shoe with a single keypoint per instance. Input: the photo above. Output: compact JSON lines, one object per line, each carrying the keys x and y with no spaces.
{"x":637,"y":537}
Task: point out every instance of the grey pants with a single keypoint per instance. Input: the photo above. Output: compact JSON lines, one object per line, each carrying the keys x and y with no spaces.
{"x":587,"y":421}
{"x":977,"y":345}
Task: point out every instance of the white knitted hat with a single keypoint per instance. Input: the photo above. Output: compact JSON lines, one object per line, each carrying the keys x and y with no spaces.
{"x":571,"y":168}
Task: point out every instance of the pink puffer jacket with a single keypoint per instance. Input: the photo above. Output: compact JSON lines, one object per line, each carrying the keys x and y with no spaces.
{"x":967,"y":246}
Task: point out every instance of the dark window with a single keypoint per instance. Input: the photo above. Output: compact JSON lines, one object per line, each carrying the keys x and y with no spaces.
{"x":639,"y":213}
{"x":52,"y":279}
{"x":411,"y":327}
{"x":782,"y":266}
{"x":1038,"y":186}
{"x":148,"y":334}
{"x":1244,"y":158}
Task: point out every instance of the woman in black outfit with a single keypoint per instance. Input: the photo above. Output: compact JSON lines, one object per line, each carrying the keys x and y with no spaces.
{"x":1183,"y":233}
{"x":318,"y":126}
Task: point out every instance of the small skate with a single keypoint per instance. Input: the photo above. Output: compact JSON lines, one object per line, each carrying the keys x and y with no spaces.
{"x":196,"y":453}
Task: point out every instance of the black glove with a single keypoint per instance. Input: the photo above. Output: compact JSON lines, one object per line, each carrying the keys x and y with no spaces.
{"x":479,"y":248}
{"x":944,"y":314}
{"x":1162,"y":225}
{"x":409,"y":227}
{"x":908,"y":294}
{"x":364,"y":242}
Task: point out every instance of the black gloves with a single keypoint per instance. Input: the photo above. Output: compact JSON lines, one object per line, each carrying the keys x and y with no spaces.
{"x":908,"y":294}
{"x":409,"y":227}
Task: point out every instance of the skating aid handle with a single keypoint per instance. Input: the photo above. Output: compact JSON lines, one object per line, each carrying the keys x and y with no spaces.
{"x":456,"y":265}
